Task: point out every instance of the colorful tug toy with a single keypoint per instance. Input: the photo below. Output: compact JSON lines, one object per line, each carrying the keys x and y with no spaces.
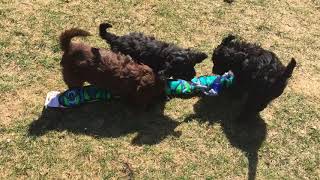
{"x":208,"y":85}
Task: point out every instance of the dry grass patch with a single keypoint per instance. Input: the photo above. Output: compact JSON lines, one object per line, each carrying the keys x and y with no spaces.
{"x":183,"y":139}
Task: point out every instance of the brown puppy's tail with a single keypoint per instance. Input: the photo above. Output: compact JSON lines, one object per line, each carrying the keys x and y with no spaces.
{"x":65,"y":37}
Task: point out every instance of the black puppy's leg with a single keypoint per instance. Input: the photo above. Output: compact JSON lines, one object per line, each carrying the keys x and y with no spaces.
{"x":162,"y":75}
{"x":249,"y":110}
{"x":165,"y":72}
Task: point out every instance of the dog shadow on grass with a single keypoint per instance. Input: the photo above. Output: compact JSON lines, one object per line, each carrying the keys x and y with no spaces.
{"x":111,"y":120}
{"x":246,"y":135}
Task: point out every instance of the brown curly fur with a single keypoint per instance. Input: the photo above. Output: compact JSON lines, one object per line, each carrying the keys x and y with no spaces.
{"x":135,"y":83}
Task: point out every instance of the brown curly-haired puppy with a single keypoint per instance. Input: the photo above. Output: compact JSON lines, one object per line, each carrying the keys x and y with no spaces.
{"x":133,"y":82}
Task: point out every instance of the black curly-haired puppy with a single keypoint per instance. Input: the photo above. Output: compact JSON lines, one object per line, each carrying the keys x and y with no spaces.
{"x":166,"y":59}
{"x":258,"y":72}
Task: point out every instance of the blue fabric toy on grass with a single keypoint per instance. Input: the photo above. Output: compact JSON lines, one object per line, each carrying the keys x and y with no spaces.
{"x":76,"y":96}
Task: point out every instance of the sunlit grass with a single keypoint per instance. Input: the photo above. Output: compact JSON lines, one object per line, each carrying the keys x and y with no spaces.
{"x":183,"y":139}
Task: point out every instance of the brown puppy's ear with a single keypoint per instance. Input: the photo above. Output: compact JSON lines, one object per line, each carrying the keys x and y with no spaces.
{"x":96,"y":54}
{"x":79,"y":59}
{"x":82,"y":64}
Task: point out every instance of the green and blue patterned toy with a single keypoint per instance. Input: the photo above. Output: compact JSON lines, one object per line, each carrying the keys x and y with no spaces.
{"x":208,"y":85}
{"x":77,"y":96}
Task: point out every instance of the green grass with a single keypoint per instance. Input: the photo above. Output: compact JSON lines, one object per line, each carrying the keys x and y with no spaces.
{"x":182,"y":139}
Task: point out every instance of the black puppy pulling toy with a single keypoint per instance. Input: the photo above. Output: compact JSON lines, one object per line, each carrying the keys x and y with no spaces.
{"x":259,"y":73}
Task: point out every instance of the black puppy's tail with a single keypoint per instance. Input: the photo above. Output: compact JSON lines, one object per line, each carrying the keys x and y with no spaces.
{"x":65,"y":37}
{"x":289,"y":69}
{"x":228,"y":39}
{"x":104,"y":34}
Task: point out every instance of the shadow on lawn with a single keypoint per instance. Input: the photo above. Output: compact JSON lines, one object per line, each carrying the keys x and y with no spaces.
{"x":107,"y":120}
{"x":244,"y":135}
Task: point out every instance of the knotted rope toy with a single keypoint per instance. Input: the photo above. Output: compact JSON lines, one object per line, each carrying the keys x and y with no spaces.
{"x":207,"y":85}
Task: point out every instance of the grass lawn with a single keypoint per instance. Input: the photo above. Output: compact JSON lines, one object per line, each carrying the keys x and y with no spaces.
{"x":182,"y":139}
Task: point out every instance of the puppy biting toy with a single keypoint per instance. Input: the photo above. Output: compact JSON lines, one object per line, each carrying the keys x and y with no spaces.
{"x":260,"y":74}
{"x":208,"y":85}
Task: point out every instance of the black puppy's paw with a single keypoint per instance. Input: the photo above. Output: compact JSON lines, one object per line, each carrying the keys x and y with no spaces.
{"x":162,"y":75}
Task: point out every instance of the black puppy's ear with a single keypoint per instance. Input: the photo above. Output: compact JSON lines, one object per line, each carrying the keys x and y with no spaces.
{"x":189,"y":55}
{"x":198,"y":57}
{"x":289,"y":69}
{"x":178,"y":56}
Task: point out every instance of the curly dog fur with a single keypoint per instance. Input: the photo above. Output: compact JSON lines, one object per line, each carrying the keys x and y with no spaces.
{"x":166,"y":59}
{"x":258,"y":72}
{"x":136,"y":83}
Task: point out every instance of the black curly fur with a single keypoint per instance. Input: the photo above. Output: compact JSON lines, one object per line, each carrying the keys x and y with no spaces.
{"x":166,"y":59}
{"x":258,"y":72}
